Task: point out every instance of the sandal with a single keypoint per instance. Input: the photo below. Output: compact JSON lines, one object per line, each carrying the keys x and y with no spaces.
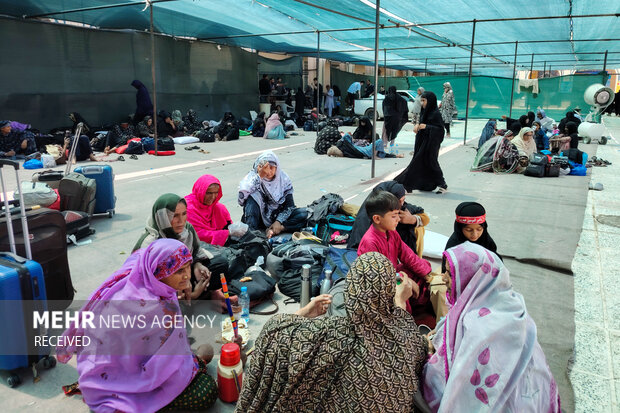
{"x":191,"y":148}
{"x":134,"y":157}
{"x":120,"y":158}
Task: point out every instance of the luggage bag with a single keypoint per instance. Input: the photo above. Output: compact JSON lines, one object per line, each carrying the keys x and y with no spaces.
{"x":77,"y":193}
{"x":105,"y":200}
{"x":22,"y":290}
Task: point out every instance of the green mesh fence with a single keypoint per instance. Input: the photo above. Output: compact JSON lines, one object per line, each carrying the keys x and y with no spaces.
{"x":490,"y":96}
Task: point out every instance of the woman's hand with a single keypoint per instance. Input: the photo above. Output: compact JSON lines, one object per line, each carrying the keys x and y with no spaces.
{"x":316,"y":307}
{"x":422,"y":126}
{"x":201,"y":272}
{"x":407,"y":217}
{"x":429,"y":342}
{"x":199,"y":288}
{"x":404,"y":291}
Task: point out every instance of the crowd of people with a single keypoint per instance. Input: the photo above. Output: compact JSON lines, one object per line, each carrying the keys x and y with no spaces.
{"x":381,"y":343}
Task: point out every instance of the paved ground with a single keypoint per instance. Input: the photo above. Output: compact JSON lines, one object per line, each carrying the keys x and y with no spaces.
{"x":596,"y":370}
{"x":536,"y":224}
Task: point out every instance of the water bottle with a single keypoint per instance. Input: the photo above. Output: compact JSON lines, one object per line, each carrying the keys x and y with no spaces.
{"x":305,"y":285}
{"x":326,"y":284}
{"x":244,"y":302}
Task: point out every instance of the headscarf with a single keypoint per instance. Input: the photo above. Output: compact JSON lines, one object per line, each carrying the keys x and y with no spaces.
{"x":571,"y":127}
{"x":3,"y":123}
{"x":488,"y":357}
{"x":546,"y":123}
{"x":76,"y":118}
{"x":269,"y":195}
{"x":524,"y":121}
{"x":144,"y":105}
{"x":366,"y":361}
{"x":209,"y":221}
{"x":487,"y":132}
{"x":531,"y":117}
{"x":363,"y":221}
{"x":447,"y":85}
{"x":430,"y":114}
{"x":176,"y":116}
{"x":473,"y":213}
{"x":272,"y":123}
{"x":364,"y":129}
{"x":159,"y":225}
{"x":139,"y":368}
{"x":525,"y":147}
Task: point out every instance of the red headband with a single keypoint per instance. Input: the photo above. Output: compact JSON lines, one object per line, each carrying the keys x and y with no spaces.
{"x":471,"y":220}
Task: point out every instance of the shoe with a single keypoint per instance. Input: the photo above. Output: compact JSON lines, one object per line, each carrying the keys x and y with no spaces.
{"x":135,"y":157}
{"x":442,"y":189}
{"x":120,"y":158}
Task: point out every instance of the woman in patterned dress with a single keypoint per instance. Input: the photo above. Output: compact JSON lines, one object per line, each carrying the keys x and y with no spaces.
{"x":447,"y":106}
{"x":368,"y":361}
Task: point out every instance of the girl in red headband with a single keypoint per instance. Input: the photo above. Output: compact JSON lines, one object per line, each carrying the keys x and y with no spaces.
{"x":471,"y":225}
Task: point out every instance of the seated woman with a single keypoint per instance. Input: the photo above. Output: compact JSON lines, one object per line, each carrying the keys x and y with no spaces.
{"x":15,"y":142}
{"x":169,"y":220}
{"x":146,"y":128}
{"x":83,"y":150}
{"x":571,"y":131}
{"x":119,"y":135}
{"x":177,"y":118}
{"x":258,"y":125}
{"x":266,"y":195}
{"x":570,"y":117}
{"x":546,"y":123}
{"x":413,"y":219}
{"x":363,"y":132}
{"x":209,"y":218}
{"x":140,"y":369}
{"x":165,"y":125}
{"x":191,"y":124}
{"x":488,"y":357}
{"x":368,"y":361}
{"x":515,"y":125}
{"x":540,"y":137}
{"x":274,"y":128}
{"x":525,"y":144}
{"x":227,"y":129}
{"x":488,"y":132}
{"x":327,"y":137}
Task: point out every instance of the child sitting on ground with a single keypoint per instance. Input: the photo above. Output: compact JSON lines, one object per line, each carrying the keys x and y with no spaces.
{"x":383,"y":209}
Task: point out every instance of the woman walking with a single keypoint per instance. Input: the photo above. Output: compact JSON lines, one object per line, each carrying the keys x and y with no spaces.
{"x":424,"y":172}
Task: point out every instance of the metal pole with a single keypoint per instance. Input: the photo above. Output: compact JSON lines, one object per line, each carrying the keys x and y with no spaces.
{"x":384,"y":70}
{"x":532,"y":65}
{"x":454,"y":74}
{"x":605,"y":62}
{"x":544,"y":69}
{"x":549,"y":69}
{"x":153,"y":80}
{"x":318,"y":86}
{"x":425,"y":65}
{"x":374,"y":100}
{"x":471,"y":57}
{"x":512,"y":87}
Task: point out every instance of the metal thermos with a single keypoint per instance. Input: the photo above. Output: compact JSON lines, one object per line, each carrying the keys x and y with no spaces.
{"x":305,"y":285}
{"x":326,"y":284}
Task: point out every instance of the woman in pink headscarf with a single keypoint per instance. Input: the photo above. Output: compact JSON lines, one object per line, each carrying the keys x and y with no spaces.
{"x":147,"y":365}
{"x":204,"y":211}
{"x":488,"y":357}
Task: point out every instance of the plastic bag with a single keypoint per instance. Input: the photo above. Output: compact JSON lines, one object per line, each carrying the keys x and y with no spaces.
{"x":237,"y":230}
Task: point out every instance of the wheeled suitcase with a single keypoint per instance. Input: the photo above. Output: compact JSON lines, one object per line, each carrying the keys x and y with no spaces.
{"x":77,"y":193}
{"x":22,"y":291}
{"x":105,"y":200}
{"x":48,"y":242}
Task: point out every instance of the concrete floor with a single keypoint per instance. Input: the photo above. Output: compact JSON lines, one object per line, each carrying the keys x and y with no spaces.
{"x":523,"y":217}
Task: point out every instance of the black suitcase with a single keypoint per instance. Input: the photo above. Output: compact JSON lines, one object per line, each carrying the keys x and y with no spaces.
{"x":48,"y":240}
{"x":535,"y":170}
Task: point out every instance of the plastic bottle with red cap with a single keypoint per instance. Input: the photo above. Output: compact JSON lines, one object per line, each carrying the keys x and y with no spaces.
{"x":230,"y":373}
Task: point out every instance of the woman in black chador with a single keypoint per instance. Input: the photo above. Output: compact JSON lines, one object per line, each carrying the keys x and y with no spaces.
{"x":424,"y":172}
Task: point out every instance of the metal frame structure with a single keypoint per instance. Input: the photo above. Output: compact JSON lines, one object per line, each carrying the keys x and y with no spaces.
{"x":376,"y":26}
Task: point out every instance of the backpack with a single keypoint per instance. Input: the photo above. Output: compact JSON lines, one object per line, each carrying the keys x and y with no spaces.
{"x":309,"y":126}
{"x":206,"y":135}
{"x":326,"y":227}
{"x":337,"y":307}
{"x":339,"y":261}
{"x":134,"y":148}
{"x":324,"y":206}
{"x":537,"y":165}
{"x":165,"y":144}
{"x":252,"y":244}
{"x":260,"y":289}
{"x":285,"y":262}
{"x":228,"y":261}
